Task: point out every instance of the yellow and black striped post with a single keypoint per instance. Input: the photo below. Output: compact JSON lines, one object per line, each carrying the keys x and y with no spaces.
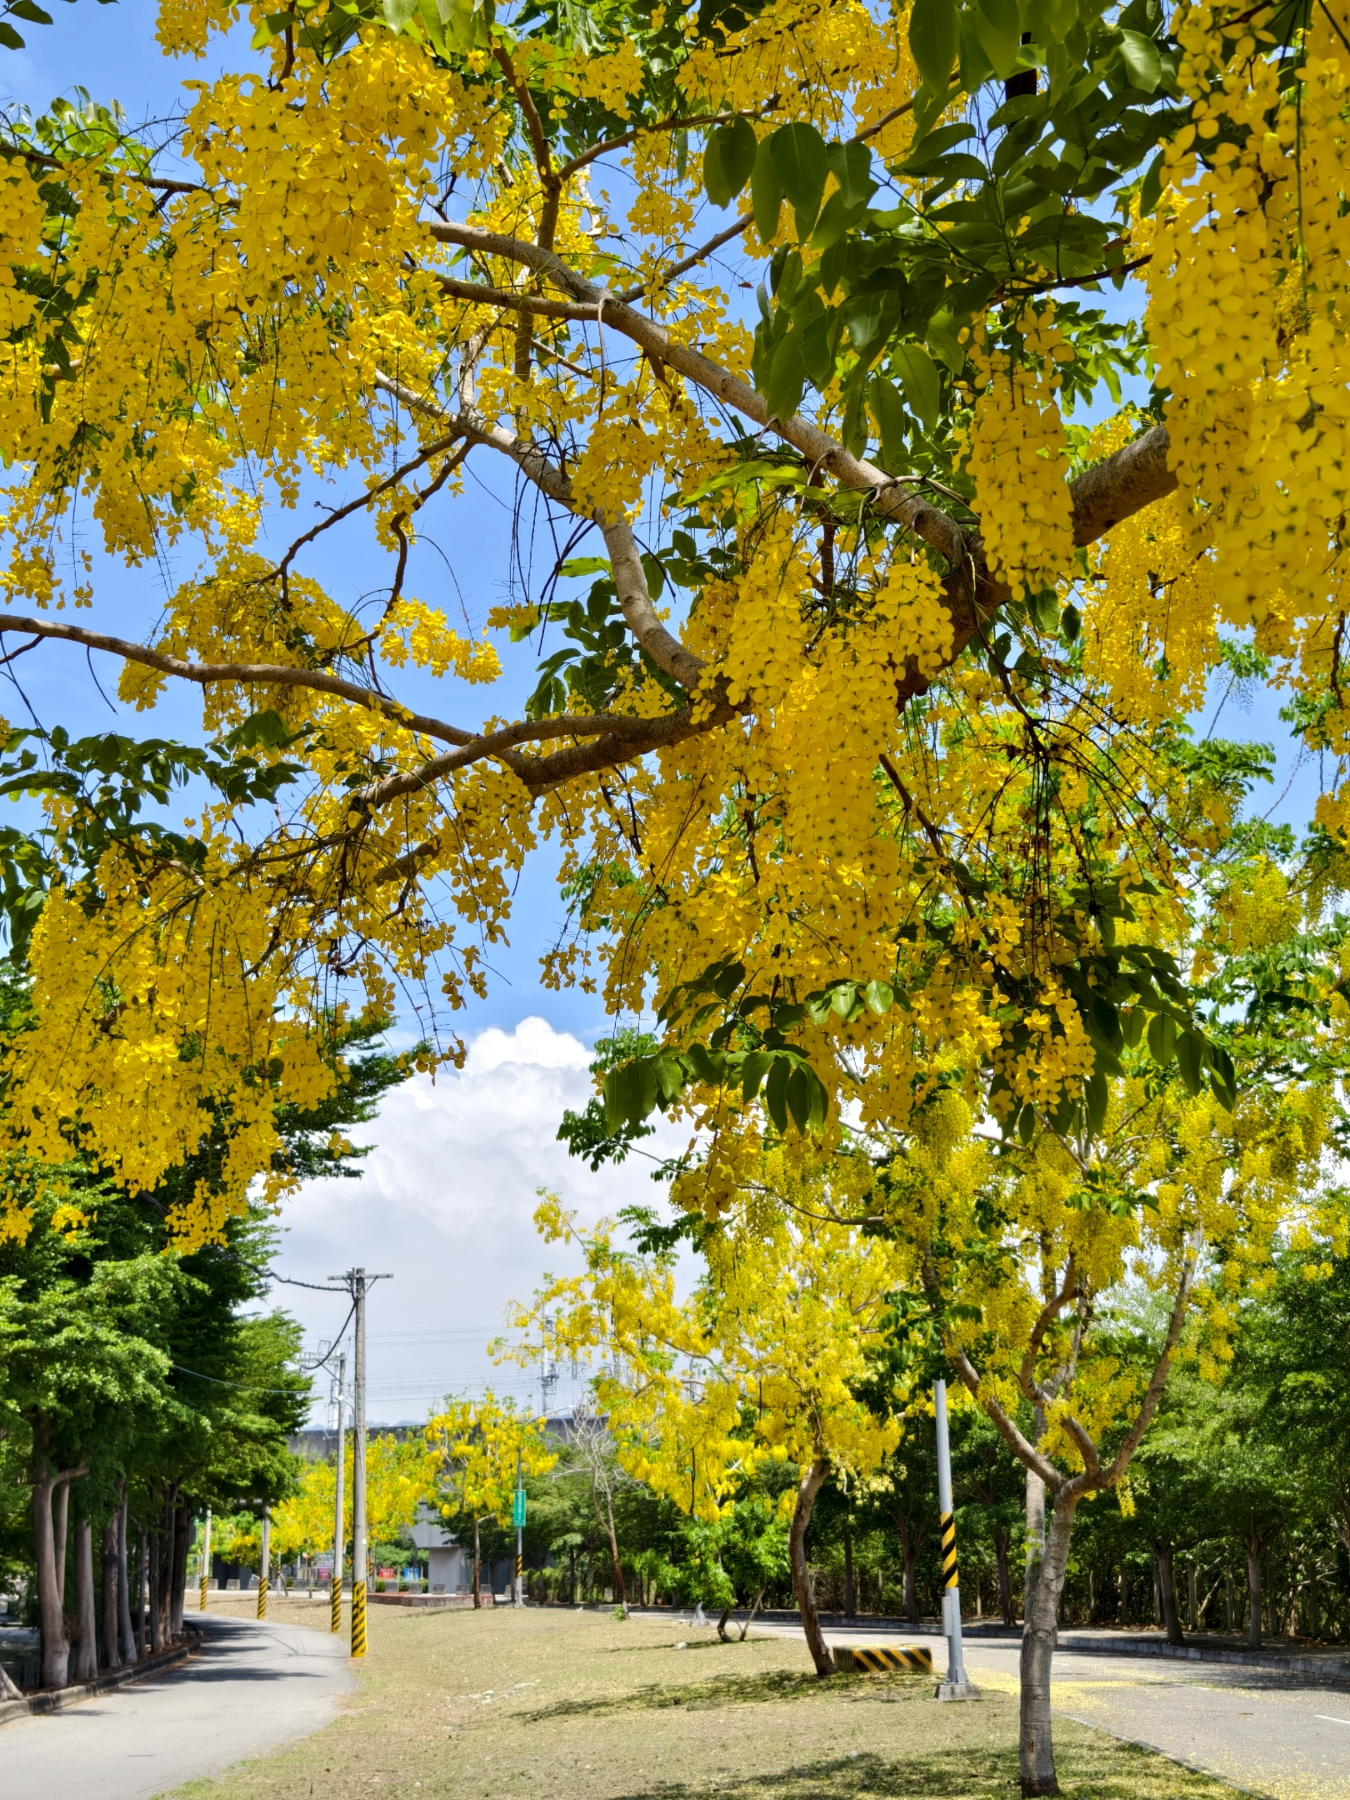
{"x":358,"y":1617}
{"x":265,"y":1562}
{"x":878,"y":1659}
{"x":206,"y":1556}
{"x":955,"y":1687}
{"x":336,"y":1613}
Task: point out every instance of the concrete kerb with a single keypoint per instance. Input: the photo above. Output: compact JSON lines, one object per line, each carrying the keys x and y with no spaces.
{"x":57,"y":1700}
{"x":1324,"y":1669}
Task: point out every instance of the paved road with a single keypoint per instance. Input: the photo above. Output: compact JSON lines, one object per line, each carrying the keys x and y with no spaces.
{"x":1279,"y":1735}
{"x":253,"y":1688}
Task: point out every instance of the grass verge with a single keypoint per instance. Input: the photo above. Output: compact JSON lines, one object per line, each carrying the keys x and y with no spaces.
{"x":561,"y":1705}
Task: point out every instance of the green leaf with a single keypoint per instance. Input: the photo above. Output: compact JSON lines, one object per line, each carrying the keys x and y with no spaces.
{"x":799,"y":1097}
{"x":1162,"y":1038}
{"x":753,"y":1070}
{"x":801,"y":165}
{"x":934,"y":38}
{"x":729,"y":160}
{"x":1026,"y":1124}
{"x":398,"y":12}
{"x":999,"y":30}
{"x":1095,"y":1095}
{"x":1070,"y":623}
{"x":25,"y":9}
{"x":1191,"y":1060}
{"x":9,"y":37}
{"x":775,"y":1092}
{"x":1141,"y":58}
{"x":888,"y":409}
{"x":656,"y":575}
{"x":787,"y":378}
{"x":585,"y":565}
{"x":844,"y":999}
{"x":766,"y":192}
{"x":630,"y":1093}
{"x":880,"y":996}
{"x":851,"y":166}
{"x":923,"y":385}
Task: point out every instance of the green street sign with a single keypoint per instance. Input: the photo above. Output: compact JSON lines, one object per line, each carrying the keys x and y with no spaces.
{"x":518,"y":1509}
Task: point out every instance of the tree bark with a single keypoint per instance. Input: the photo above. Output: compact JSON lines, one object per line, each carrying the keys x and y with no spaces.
{"x":1002,"y":1539}
{"x":142,"y":1587}
{"x":1254,"y":1546}
{"x":850,"y":1596}
{"x":86,"y":1654}
{"x":1035,"y":1511}
{"x":55,"y":1649}
{"x":125,"y":1631}
{"x":181,"y":1540}
{"x":476,"y":1577}
{"x":109,"y":1633}
{"x":750,"y":1618}
{"x":1036,"y":1754}
{"x":812,"y":1478}
{"x":155,"y":1584}
{"x":1164,"y":1564}
{"x":61,"y":1499}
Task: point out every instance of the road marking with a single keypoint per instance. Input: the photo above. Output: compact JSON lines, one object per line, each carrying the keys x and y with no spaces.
{"x":1330,"y":1720}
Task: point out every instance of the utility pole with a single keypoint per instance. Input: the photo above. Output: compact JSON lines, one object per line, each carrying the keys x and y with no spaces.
{"x":206,"y":1556}
{"x":358,"y":1283}
{"x":955,"y":1687}
{"x":266,"y":1560}
{"x":339,"y":1536}
{"x":519,"y":1519}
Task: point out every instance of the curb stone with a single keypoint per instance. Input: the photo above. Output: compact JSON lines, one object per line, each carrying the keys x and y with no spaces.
{"x":57,"y":1701}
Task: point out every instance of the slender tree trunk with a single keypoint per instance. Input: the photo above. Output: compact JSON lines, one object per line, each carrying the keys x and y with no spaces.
{"x":61,"y":1531}
{"x":477,"y":1599}
{"x":1036,"y":1754}
{"x":86,"y":1654}
{"x":1254,"y":1548}
{"x":156,"y":1582}
{"x":1164,"y":1564}
{"x":812,"y":1478}
{"x":722,"y":1624}
{"x":1001,"y":1542}
{"x":850,"y":1596}
{"x":55,"y":1649}
{"x":126,"y":1635}
{"x":142,"y":1583}
{"x":109,"y":1633}
{"x":182,"y":1543}
{"x":753,"y":1610}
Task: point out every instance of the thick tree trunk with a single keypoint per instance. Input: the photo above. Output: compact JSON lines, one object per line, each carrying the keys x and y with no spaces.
{"x":182,"y":1543}
{"x":55,"y":1649}
{"x":109,"y":1633}
{"x":1001,"y":1544}
{"x":1165,"y":1567}
{"x":812,"y":1478}
{"x":1254,"y":1547}
{"x":1036,"y":1754}
{"x":124,"y":1626}
{"x":86,"y":1655}
{"x":1035,"y":1510}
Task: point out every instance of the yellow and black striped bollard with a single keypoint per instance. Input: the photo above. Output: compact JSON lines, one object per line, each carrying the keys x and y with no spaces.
{"x":358,"y":1618}
{"x":262,"y":1596}
{"x":336,"y":1613}
{"x":203,"y":1605}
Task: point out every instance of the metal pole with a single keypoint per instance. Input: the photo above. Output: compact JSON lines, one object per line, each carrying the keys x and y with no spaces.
{"x":358,"y":1280}
{"x":520,"y":1533}
{"x":206,"y":1556}
{"x":955,"y":1687}
{"x":266,"y":1561}
{"x":339,"y":1535}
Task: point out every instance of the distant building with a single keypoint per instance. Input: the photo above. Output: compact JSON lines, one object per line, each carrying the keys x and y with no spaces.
{"x":449,"y":1567}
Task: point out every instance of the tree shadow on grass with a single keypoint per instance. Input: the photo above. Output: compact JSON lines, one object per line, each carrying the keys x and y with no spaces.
{"x":965,"y":1772}
{"x":733,"y":1689}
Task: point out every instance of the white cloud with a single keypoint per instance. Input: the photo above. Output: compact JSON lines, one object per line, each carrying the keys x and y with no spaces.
{"x":445,"y":1204}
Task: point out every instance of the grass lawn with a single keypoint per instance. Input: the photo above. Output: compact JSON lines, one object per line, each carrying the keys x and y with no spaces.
{"x":555,"y":1704}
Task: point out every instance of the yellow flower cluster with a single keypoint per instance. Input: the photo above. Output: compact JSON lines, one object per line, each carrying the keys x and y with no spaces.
{"x":1017,"y":451}
{"x":21,"y":219}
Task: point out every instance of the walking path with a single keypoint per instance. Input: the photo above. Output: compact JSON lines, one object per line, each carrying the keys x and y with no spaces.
{"x":1272,"y":1733}
{"x":252,"y":1688}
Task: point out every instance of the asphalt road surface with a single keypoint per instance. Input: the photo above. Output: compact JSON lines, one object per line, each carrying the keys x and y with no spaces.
{"x":1286,"y":1736}
{"x":253,"y":1688}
